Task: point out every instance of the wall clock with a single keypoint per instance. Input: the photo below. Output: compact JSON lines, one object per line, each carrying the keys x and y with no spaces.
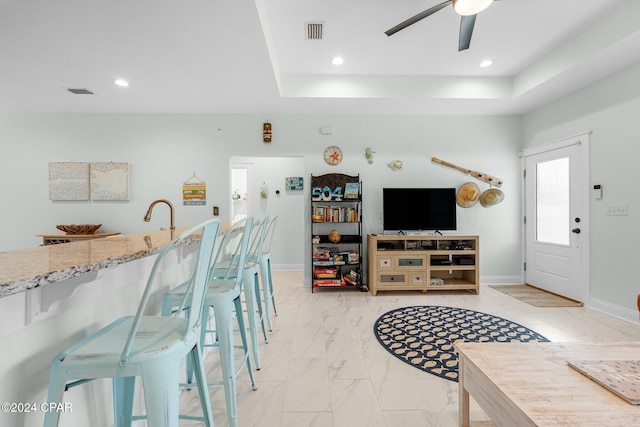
{"x":332,"y":155}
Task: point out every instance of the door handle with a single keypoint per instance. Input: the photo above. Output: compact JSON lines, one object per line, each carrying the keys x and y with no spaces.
{"x":576,"y":230}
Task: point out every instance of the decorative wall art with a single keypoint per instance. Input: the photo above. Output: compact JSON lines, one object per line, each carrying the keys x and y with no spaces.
{"x":368,"y":154}
{"x":68,"y":181}
{"x":266,"y":132}
{"x":395,"y":165}
{"x":293,"y":183}
{"x":194,"y":192}
{"x":109,"y":181}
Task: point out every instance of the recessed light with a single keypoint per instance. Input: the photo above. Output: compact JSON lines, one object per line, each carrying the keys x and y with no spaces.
{"x":486,"y":63}
{"x":337,"y":61}
{"x":121,"y":82}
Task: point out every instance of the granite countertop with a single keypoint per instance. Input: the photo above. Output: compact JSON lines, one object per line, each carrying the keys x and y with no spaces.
{"x":30,"y":268}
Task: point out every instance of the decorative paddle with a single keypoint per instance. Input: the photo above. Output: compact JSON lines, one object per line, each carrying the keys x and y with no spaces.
{"x":496,"y":182}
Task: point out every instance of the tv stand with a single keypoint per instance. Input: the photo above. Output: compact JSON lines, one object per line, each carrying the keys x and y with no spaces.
{"x":423,"y":263}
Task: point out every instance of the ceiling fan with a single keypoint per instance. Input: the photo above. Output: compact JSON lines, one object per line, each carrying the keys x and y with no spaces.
{"x":467,"y":9}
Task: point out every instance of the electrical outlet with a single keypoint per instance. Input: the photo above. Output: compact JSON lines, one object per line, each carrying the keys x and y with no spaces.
{"x":216,"y":211}
{"x":617,"y":210}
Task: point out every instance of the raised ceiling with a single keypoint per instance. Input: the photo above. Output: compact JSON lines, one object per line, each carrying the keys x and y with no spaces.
{"x":252,"y":56}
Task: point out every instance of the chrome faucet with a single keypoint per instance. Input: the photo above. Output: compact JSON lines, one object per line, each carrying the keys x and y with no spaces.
{"x":147,"y":217}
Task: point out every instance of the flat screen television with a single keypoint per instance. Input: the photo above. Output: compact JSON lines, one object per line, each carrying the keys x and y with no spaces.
{"x":418,"y":209}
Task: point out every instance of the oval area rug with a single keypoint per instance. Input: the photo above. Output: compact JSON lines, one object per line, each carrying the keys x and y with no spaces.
{"x":423,"y":336}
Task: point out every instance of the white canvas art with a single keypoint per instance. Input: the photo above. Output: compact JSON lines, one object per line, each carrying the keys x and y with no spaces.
{"x":110,"y":181}
{"x":69,"y":181}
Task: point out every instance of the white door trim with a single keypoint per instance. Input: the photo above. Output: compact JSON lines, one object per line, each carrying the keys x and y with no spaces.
{"x":582,"y":139}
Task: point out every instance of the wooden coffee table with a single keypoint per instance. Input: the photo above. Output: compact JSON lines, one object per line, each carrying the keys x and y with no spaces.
{"x":530,"y":384}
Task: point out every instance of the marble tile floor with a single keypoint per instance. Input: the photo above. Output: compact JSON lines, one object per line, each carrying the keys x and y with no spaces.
{"x":323,"y":366}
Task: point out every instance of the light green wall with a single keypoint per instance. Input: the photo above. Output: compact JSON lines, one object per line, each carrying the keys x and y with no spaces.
{"x":165,"y":150}
{"x":610,"y":109}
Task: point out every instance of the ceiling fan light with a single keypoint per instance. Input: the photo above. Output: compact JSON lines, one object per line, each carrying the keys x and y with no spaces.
{"x":470,"y":7}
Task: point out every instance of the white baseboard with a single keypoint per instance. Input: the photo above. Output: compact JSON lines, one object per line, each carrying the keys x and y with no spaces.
{"x":612,"y":310}
{"x":287,"y":267}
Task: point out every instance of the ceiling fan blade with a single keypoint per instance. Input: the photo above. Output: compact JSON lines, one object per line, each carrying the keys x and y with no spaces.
{"x":466,"y":31}
{"x":420,"y":16}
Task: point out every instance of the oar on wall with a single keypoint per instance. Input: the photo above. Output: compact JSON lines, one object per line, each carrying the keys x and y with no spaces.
{"x":492,"y":180}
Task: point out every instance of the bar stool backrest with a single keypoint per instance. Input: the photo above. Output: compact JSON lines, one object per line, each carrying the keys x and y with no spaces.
{"x":207,"y":233}
{"x":268,"y":239}
{"x":232,"y":252}
{"x":256,"y":242}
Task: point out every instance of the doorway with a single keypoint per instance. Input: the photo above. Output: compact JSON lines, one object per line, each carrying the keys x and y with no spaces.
{"x":556,"y":222}
{"x":240,"y":179}
{"x":257,"y":187}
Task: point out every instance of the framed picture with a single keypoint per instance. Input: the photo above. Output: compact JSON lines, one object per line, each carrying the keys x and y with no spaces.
{"x":293,"y":183}
{"x":352,"y":190}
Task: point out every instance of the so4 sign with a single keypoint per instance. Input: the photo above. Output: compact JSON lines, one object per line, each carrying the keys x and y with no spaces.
{"x":326,"y":193}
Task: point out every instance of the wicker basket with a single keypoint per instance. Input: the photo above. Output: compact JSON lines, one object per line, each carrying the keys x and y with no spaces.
{"x":79,"y":228}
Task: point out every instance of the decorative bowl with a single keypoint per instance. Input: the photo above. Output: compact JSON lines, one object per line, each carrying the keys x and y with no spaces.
{"x":79,"y":228}
{"x":317,"y":218}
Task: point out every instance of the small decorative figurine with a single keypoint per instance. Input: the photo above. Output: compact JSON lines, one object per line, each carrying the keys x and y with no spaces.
{"x":395,"y":165}
{"x":266,"y":132}
{"x":368,"y":154}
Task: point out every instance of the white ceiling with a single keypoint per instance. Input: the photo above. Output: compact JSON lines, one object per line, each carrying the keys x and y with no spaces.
{"x":251,"y":56}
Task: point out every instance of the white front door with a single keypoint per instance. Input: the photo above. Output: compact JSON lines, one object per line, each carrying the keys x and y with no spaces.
{"x":556,"y":188}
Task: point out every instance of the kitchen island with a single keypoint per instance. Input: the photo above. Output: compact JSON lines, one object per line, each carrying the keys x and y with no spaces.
{"x":43,"y":265}
{"x":53,"y":296}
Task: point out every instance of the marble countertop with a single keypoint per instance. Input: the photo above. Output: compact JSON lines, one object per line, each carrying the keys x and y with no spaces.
{"x":30,"y":268}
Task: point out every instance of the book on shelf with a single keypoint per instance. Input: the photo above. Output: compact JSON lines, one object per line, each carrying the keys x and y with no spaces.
{"x":327,"y":262}
{"x":350,"y":281}
{"x":326,"y":213}
{"x":321,"y":253}
{"x":325,"y":273}
{"x":351,"y":278}
{"x":327,"y":282}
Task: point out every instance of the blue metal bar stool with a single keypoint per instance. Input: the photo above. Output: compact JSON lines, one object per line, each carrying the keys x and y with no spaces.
{"x":223,"y":297}
{"x":251,"y":287}
{"x":264,"y":260}
{"x":147,"y":346}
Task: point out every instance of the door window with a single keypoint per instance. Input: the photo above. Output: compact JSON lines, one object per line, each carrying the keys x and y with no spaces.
{"x":553,"y":202}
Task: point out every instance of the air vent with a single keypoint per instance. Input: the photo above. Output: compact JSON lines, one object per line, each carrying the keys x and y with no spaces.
{"x":80,"y":91}
{"x":314,"y":30}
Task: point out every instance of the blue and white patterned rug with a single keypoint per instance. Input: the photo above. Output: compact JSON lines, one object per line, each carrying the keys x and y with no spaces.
{"x":423,"y":336}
